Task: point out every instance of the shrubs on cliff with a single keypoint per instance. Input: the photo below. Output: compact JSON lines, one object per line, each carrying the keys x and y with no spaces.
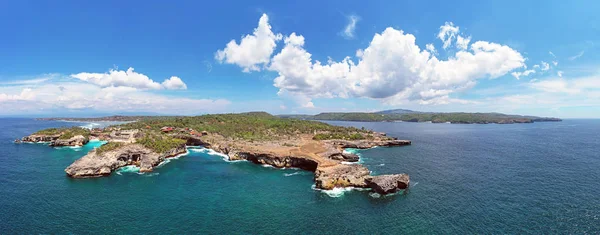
{"x":65,"y":132}
{"x":247,"y":126}
{"x":108,"y":147}
{"x":338,"y":136}
{"x":160,"y":143}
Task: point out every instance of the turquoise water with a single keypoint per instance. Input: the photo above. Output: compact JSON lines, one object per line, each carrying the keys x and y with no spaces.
{"x":526,"y":178}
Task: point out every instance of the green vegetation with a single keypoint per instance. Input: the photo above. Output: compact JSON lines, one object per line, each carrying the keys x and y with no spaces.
{"x":160,"y":143}
{"x":65,"y":132}
{"x":424,"y":117}
{"x":339,"y":136}
{"x":108,"y":147}
{"x":255,"y":126}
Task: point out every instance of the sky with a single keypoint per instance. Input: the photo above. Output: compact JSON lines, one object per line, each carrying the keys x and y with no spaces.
{"x":90,"y":58}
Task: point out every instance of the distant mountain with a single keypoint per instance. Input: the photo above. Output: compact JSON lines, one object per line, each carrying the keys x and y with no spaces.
{"x":414,"y":116}
{"x":397,"y":111}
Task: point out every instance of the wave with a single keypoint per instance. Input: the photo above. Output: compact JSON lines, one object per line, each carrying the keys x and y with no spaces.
{"x":212,"y":153}
{"x":382,"y":164}
{"x":90,"y":125}
{"x":337,"y":191}
{"x":295,"y":173}
{"x":167,"y":160}
{"x":128,"y":169}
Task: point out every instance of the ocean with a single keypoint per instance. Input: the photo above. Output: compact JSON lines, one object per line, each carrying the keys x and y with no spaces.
{"x":486,"y":179}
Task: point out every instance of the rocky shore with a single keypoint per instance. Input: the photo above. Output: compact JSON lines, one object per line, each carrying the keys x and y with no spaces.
{"x":332,"y":166}
{"x":327,"y":164}
{"x":96,"y":164}
{"x":54,"y":140}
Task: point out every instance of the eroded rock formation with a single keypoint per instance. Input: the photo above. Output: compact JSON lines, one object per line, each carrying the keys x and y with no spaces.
{"x":384,"y":184}
{"x":78,"y":140}
{"x":96,"y":164}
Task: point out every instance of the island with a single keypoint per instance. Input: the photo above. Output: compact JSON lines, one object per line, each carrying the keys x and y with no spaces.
{"x":415,"y":116}
{"x":257,"y":137}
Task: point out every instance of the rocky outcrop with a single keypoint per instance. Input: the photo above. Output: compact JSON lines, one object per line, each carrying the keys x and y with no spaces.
{"x":96,"y":164}
{"x":365,"y":144}
{"x":274,"y":160}
{"x":385,"y":184}
{"x":78,"y":140}
{"x":190,"y":139}
{"x":346,"y":157}
{"x":328,"y":176}
{"x":39,"y":138}
{"x":341,"y":175}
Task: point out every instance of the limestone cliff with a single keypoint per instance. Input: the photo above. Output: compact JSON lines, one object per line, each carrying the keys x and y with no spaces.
{"x":96,"y":164}
{"x":78,"y":140}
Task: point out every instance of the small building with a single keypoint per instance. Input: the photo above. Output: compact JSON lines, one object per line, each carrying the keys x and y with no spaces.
{"x":166,"y":129}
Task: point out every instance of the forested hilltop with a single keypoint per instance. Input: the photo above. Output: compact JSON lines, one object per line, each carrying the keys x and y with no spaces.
{"x":414,"y":116}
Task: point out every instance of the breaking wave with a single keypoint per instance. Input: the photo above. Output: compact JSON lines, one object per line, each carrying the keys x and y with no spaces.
{"x":128,"y":169}
{"x":295,"y":173}
{"x":337,"y":192}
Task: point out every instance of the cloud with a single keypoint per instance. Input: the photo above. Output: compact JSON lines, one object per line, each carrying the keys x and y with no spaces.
{"x":431,"y":48}
{"x":525,"y":73}
{"x":350,"y":27}
{"x":392,"y":68}
{"x":447,"y":33}
{"x":555,"y":63}
{"x":462,"y":43}
{"x":253,"y":50}
{"x":576,"y":56}
{"x":25,"y":82}
{"x":26,"y":94}
{"x":545,"y":66}
{"x":128,"y":78}
{"x":570,"y":86}
{"x":74,"y":95}
{"x":559,"y":73}
{"x":552,"y":54}
{"x":174,"y":83}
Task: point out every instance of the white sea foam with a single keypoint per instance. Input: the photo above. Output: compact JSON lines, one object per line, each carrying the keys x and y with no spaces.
{"x":295,"y":173}
{"x":128,"y":169}
{"x":337,"y":191}
{"x":90,"y":125}
{"x":213,"y":153}
{"x":382,"y":164}
{"x":267,"y":166}
{"x":167,"y":160}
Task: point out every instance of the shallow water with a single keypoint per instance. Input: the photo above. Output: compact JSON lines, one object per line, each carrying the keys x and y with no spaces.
{"x":524,"y":178}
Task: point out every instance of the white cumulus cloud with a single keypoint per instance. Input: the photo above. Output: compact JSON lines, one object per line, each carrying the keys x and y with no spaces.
{"x":174,"y":83}
{"x":128,"y":78}
{"x":392,"y":67}
{"x":253,"y":50}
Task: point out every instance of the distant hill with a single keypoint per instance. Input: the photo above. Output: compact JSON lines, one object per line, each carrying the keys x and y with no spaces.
{"x":414,"y":116}
{"x":397,"y":111}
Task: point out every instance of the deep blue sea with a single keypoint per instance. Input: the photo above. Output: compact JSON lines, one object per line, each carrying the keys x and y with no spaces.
{"x":486,"y":179}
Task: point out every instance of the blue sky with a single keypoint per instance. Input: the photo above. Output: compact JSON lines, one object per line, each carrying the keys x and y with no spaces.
{"x":85,"y":58}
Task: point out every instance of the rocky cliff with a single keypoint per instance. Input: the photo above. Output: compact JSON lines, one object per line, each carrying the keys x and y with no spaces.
{"x":96,"y":164}
{"x":328,"y":171}
{"x":78,"y":140}
{"x":39,"y":138}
